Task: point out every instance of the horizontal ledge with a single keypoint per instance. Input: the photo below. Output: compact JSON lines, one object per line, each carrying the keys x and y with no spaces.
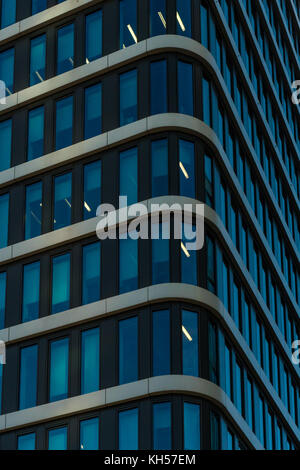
{"x":147,"y":296}
{"x":43,"y":18}
{"x":153,"y":386}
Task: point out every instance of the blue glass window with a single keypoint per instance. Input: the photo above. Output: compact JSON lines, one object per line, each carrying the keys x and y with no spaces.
{"x":248,"y":402}
{"x":159,"y":161}
{"x":26,"y":442}
{"x":162,"y":437}
{"x":183,"y":17}
{"x":7,"y":64}
{"x":129,"y":175}
{"x":65,"y":49}
{"x":161,"y":356}
{"x":128,"y":264}
{"x":185,"y":88}
{"x":5,"y":139}
{"x":158,"y":17}
{"x":128,"y":23}
{"x":91,"y":273}
{"x":190,"y":343}
{"x":33,"y":214}
{"x":4,"y":210}
{"x":187,"y":168}
{"x":92,"y":189}
{"x":64,"y":123}
{"x":93,"y":36}
{"x":38,"y":60}
{"x":60,"y":283}
{"x":188,"y":257}
{"x":2,"y":300}
{"x":212,"y":353}
{"x":93,"y":111}
{"x":204,"y":25}
{"x":191,"y":416}
{"x":236,"y":304}
{"x":28,"y":377}
{"x":128,"y":350}
{"x":160,"y":254}
{"x":90,"y":357}
{"x":1,"y":375}
{"x":238,"y":387}
{"x":129,"y":429}
{"x":228,"y":372}
{"x":225,"y":285}
{"x":158,"y":82}
{"x":206,"y":101}
{"x":128,"y":97}
{"x":89,"y":434}
{"x":38,"y":5}
{"x":8,"y":13}
{"x":59,"y":369}
{"x":31,"y":292}
{"x":214,"y":431}
{"x":62,"y":201}
{"x":57,"y":439}
{"x":35,"y":142}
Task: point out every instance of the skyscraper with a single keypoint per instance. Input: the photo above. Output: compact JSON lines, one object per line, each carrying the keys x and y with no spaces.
{"x":143,"y":344}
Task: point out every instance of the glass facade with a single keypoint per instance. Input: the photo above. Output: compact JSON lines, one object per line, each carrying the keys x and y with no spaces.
{"x":90,"y":369}
{"x":57,"y":439}
{"x":161,"y":352}
{"x":33,"y":210}
{"x":28,"y":377}
{"x":6,"y":143}
{"x":89,"y":434}
{"x":7,"y":70}
{"x":158,"y":80}
{"x":158,"y":17}
{"x":35,"y":133}
{"x":191,"y":426}
{"x":128,"y":350}
{"x":4,"y":214}
{"x":190,"y":360}
{"x":162,"y":439}
{"x":8,"y":12}
{"x":65,"y":49}
{"x":128,"y":23}
{"x":60,"y":283}
{"x":93,"y":112}
{"x":93,"y":36}
{"x":128,"y":429}
{"x":2,"y":299}
{"x":37,"y":60}
{"x":64,"y":123}
{"x":92,"y":189}
{"x":26,"y":442}
{"x":128,"y":97}
{"x":91,"y":273}
{"x":62,"y":201}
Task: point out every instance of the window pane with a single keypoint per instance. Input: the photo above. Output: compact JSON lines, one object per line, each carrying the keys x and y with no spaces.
{"x":204,"y":25}
{"x":60,"y":283}
{"x":26,"y":442}
{"x":191,"y":426}
{"x":89,"y":434}
{"x":187,"y":168}
{"x":5,"y":139}
{"x":128,"y":23}
{"x":65,"y":49}
{"x":64,"y":123}
{"x":161,"y":356}
{"x":128,"y":97}
{"x":59,"y":375}
{"x":162,"y":437}
{"x":93,"y":38}
{"x":128,"y":264}
{"x":28,"y":377}
{"x":38,"y":60}
{"x":183,"y":17}
{"x":35,"y":133}
{"x":92,"y":189}
{"x":31,"y":292}
{"x":8,"y":13}
{"x":214,"y":431}
{"x":158,"y":17}
{"x":91,"y":273}
{"x":185,"y":88}
{"x":129,"y":175}
{"x":188,"y":258}
{"x":4,"y":208}
{"x":62,"y":200}
{"x":158,"y":81}
{"x":2,"y":303}
{"x":38,"y":5}
{"x":33,"y":215}
{"x":129,"y":429}
{"x":159,"y":160}
{"x":1,"y":375}
{"x":190,"y":343}
{"x":90,"y":356}
{"x":57,"y":439}
{"x":128,"y":350}
{"x":93,"y":111}
{"x":7,"y":62}
{"x":213,"y":353}
{"x":160,"y":254}
{"x":206,"y":101}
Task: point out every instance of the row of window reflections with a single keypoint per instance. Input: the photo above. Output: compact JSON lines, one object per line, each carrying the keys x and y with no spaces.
{"x":8,"y":10}
{"x":225,"y":367}
{"x":228,"y":288}
{"x":209,"y":38}
{"x":65,"y":122}
{"x":129,"y":429}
